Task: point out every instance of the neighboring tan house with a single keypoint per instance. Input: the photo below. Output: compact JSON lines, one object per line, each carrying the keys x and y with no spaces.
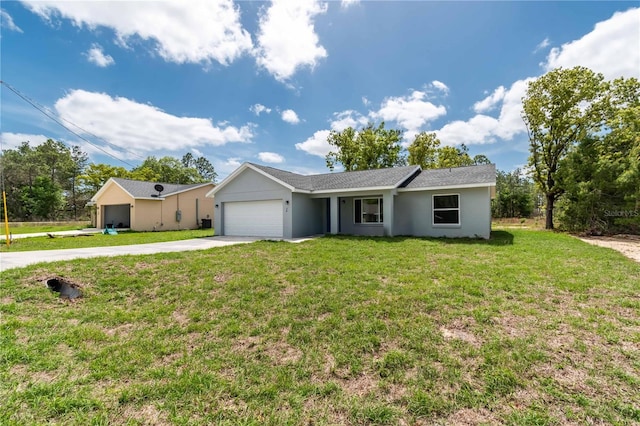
{"x":267,"y":202}
{"x":152,"y":206}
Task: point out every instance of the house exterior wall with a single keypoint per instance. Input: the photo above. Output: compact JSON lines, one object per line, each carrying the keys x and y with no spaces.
{"x":114,"y":195}
{"x":160,"y":215}
{"x":347,"y":218}
{"x":413,"y":214}
{"x":253,"y":186}
{"x":308,"y":215}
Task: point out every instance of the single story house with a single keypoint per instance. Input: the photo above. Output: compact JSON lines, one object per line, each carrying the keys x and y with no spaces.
{"x":152,"y":206}
{"x":263,"y":201}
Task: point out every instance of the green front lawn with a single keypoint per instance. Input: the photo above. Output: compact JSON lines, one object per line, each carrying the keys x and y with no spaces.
{"x":530,"y":328}
{"x":101,"y":240}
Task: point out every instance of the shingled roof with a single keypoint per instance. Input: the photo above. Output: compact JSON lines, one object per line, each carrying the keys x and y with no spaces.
{"x":456,"y":176}
{"x":143,"y":189}
{"x":375,"y":178}
{"x":409,"y":178}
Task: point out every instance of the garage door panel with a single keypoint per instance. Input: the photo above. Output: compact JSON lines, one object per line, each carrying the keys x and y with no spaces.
{"x":254,"y":218}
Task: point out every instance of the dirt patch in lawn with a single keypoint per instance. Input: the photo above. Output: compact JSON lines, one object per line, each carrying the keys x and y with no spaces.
{"x":628,"y":245}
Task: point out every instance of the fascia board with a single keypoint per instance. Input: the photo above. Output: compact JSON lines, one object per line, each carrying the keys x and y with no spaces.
{"x":441,"y":187}
{"x":106,"y":186}
{"x":241,"y":169}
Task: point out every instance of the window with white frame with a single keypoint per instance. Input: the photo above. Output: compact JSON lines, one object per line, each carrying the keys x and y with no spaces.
{"x":367,"y":210}
{"x":446,"y":209}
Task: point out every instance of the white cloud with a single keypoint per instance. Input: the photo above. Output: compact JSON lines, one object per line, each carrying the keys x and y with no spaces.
{"x":142,"y":128}
{"x":96,"y":56}
{"x":542,"y":45}
{"x":347,"y":3}
{"x":233,"y":162}
{"x":348,"y":118}
{"x":6,"y":21}
{"x":612,"y":48}
{"x":287,"y":39}
{"x":197,"y":152}
{"x":198,"y":31}
{"x":14,"y":140}
{"x":410,"y":112}
{"x":365,"y":101}
{"x":316,"y":144}
{"x":290,"y":116}
{"x":482,"y":128}
{"x":490,"y":102}
{"x":440,"y":86}
{"x":270,"y":157}
{"x":257,"y":109}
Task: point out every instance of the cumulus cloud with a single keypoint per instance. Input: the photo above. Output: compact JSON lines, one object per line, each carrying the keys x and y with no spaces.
{"x":96,"y":56}
{"x":290,"y":116}
{"x":348,"y":118}
{"x":287,"y":40}
{"x":233,"y":162}
{"x":440,"y":86}
{"x":257,"y":109}
{"x":6,"y":21}
{"x":411,"y":112}
{"x":612,"y":48}
{"x":14,"y":140}
{"x":347,"y":3}
{"x":316,"y":144}
{"x":490,"y":102}
{"x":482,"y":128}
{"x":142,"y":128}
{"x":270,"y":157}
{"x":542,"y":45}
{"x":198,"y":31}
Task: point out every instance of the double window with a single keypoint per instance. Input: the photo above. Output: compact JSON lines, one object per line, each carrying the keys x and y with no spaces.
{"x":367,"y":210}
{"x":446,"y":209}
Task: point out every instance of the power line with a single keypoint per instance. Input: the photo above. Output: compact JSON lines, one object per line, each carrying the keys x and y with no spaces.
{"x":56,"y":120}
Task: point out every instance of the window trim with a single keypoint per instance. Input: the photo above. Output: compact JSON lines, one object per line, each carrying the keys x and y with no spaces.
{"x":434,"y":210}
{"x":380,"y":212}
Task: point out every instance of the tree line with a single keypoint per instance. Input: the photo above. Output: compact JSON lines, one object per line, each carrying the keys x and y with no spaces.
{"x":53,"y":181}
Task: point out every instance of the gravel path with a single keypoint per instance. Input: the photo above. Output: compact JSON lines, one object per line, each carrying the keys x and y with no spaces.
{"x":629,"y":245}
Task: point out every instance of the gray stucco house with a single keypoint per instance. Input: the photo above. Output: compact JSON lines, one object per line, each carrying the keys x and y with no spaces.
{"x":263,"y":201}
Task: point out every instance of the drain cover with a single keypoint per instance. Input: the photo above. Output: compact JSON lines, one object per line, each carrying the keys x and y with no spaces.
{"x":66,"y":288}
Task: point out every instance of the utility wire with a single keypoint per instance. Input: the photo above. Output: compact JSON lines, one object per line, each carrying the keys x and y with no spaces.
{"x":56,"y":120}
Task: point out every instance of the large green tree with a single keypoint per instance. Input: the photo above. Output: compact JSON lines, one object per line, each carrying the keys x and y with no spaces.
{"x":372,"y":147}
{"x":425,"y":151}
{"x":601,"y":175}
{"x":559,"y":109}
{"x":514,"y":195}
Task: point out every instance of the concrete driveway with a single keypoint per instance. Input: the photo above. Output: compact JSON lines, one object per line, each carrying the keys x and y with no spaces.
{"x":24,"y":258}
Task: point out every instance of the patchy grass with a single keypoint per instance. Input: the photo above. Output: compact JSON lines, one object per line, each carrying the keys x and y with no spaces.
{"x":527,"y":328}
{"x":517,"y":222}
{"x":101,"y":240}
{"x":26,"y":228}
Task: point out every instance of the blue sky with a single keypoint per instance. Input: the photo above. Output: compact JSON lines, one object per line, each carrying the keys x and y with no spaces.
{"x":266,"y":81}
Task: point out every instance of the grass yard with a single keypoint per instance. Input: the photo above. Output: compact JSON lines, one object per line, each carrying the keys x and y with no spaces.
{"x":101,"y":240}
{"x":28,"y":228}
{"x":530,"y":328}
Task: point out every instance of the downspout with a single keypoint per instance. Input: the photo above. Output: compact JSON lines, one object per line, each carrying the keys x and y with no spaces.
{"x":197,"y":213}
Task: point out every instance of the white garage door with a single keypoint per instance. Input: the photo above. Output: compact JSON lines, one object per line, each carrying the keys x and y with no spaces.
{"x":253,"y":218}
